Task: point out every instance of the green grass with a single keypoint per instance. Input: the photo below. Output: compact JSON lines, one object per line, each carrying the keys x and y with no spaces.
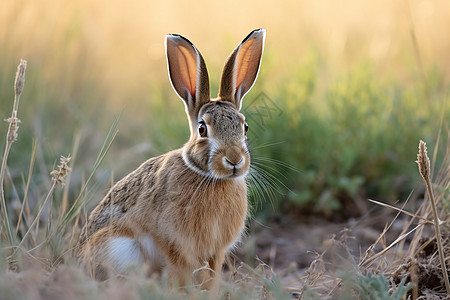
{"x":322,"y":147}
{"x":331,"y":126}
{"x":347,"y":117}
{"x":349,"y":140}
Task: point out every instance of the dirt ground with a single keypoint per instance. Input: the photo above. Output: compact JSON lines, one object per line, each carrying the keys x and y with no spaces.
{"x":290,"y":244}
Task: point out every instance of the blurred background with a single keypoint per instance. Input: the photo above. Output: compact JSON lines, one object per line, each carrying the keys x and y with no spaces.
{"x":345,"y":92}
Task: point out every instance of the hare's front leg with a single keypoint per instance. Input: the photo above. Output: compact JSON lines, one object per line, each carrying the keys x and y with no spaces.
{"x":181,"y":274}
{"x":178,"y":271}
{"x":210,"y":279}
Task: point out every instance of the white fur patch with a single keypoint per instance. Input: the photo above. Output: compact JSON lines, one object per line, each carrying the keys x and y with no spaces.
{"x":241,"y":163}
{"x":191,"y":166}
{"x":124,"y":253}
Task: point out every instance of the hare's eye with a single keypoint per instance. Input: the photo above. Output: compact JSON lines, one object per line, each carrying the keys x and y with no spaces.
{"x":245,"y":127}
{"x":202,"y":129}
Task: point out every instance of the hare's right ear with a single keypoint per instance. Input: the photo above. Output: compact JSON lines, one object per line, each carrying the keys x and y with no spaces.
{"x":188,"y":74}
{"x":241,"y":68}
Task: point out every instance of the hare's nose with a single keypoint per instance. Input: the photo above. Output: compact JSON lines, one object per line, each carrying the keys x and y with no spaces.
{"x":233,"y":156}
{"x":232,"y":163}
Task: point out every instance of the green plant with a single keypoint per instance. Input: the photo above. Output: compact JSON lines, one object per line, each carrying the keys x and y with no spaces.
{"x":377,"y":287}
{"x":344,"y":142}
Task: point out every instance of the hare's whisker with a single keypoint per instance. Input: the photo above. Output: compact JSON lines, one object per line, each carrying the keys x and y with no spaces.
{"x":276,"y":162}
{"x":268,"y":167}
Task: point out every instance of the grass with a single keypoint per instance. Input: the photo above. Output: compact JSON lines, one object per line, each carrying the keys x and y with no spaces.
{"x":425,"y":169}
{"x":38,"y":251}
{"x":340,"y":95}
{"x":46,"y":249}
{"x":345,"y":98}
{"x":412,"y":265}
{"x":362,"y":130}
{"x":11,"y":137}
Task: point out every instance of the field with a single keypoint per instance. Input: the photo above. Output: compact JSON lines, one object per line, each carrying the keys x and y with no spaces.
{"x":345,"y":93}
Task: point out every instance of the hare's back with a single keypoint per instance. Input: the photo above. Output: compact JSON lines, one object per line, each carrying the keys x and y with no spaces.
{"x":123,"y":197}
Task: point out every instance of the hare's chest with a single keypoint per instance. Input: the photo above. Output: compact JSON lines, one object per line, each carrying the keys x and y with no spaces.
{"x":204,"y":225}
{"x":223,"y":223}
{"x":212,"y":234}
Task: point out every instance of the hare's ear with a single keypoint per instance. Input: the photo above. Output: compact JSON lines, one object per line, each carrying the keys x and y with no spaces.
{"x":188,"y":74}
{"x":241,"y":68}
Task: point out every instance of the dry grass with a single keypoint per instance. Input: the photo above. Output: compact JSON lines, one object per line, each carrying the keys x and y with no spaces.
{"x":11,"y":137}
{"x":41,"y":265}
{"x":425,"y":170}
{"x":37,"y":262}
{"x":128,"y":55}
{"x":415,"y":256}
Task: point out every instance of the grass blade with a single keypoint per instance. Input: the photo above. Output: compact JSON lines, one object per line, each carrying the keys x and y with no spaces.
{"x":82,"y":198}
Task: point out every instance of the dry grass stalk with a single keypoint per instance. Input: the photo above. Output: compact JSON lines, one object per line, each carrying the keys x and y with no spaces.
{"x":401,"y":210}
{"x":57,"y":178}
{"x":369,"y":257}
{"x":11,"y":137}
{"x":424,"y":168}
{"x":25,"y":207}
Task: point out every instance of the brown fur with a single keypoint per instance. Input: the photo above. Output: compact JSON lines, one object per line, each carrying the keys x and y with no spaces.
{"x":190,"y":204}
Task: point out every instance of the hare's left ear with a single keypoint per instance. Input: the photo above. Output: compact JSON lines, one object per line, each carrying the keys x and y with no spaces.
{"x":241,"y":68}
{"x":188,"y":74}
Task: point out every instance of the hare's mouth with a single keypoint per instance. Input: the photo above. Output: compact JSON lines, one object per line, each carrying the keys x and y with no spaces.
{"x":233,"y":165}
{"x":229,"y":167}
{"x":232,"y":174}
{"x":238,"y":174}
{"x":229,"y":162}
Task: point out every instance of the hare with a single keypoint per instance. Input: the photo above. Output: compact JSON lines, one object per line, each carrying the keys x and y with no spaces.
{"x":185,"y":209}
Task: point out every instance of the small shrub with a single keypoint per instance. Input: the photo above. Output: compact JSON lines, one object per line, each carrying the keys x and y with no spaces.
{"x":371,"y":287}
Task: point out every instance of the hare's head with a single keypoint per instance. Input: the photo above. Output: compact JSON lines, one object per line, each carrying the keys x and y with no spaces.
{"x":218,"y":143}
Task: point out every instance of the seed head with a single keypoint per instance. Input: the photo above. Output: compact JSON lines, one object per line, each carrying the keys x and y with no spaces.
{"x":423,"y":161}
{"x":13,"y":129}
{"x":20,"y":77}
{"x":18,"y":88}
{"x":63,"y":170}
